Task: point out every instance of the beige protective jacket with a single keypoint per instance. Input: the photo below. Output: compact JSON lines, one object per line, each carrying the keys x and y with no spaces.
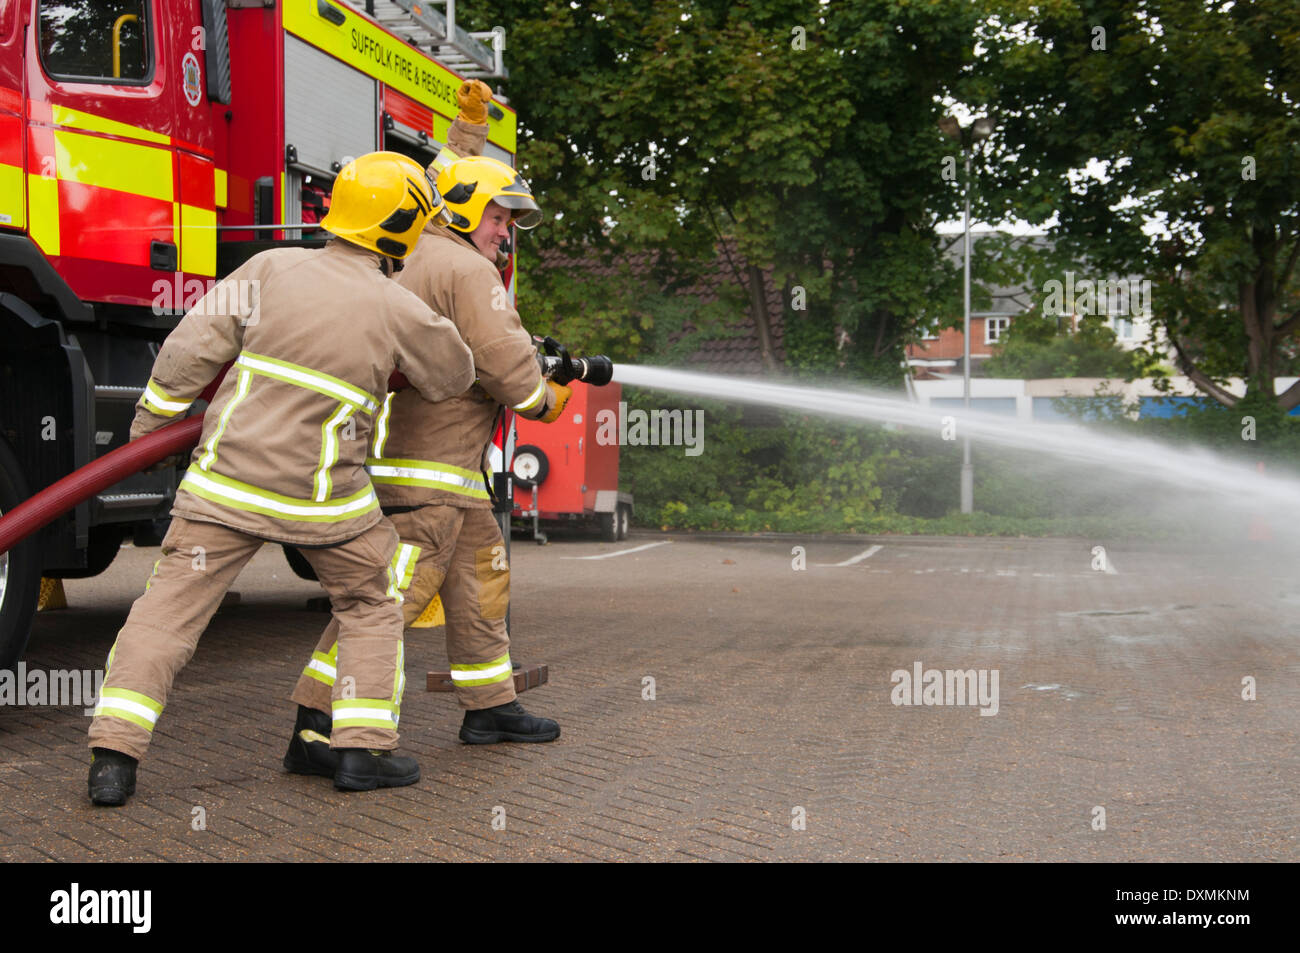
{"x":436,"y":452}
{"x":314,"y":335}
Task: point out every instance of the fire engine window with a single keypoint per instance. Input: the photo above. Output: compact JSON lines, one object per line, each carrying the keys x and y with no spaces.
{"x":96,"y":40}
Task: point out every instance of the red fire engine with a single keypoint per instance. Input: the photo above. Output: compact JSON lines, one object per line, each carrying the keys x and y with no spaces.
{"x":147,"y":148}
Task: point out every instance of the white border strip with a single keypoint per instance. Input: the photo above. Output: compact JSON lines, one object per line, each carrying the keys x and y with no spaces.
{"x":865,"y":554}
{"x":622,"y":552}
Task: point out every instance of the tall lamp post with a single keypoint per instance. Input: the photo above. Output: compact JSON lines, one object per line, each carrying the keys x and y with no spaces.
{"x":977,"y":131}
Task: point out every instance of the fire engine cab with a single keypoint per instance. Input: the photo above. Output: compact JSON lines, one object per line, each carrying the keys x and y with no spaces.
{"x":147,"y":148}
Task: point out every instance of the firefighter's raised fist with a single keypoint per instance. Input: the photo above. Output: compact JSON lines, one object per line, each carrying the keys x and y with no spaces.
{"x":473,"y":98}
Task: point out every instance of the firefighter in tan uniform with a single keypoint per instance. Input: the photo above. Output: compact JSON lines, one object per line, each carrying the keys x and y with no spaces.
{"x":314,"y":335}
{"x":429,"y":459}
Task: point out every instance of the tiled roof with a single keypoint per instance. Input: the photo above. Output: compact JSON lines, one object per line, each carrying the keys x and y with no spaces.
{"x":737,"y":353}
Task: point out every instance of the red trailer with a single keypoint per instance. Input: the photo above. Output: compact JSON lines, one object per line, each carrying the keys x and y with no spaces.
{"x":568,"y":471}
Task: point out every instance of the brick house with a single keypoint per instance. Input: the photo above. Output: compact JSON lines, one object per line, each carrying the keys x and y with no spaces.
{"x":939,"y":355}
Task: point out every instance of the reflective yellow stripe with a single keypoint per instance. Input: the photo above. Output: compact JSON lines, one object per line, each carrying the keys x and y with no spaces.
{"x":113,"y":164}
{"x":300,"y":376}
{"x":219,"y":182}
{"x":252,"y":499}
{"x":12,"y":212}
{"x":210,"y":449}
{"x":399,"y":682}
{"x":394,"y":592}
{"x":322,"y":667}
{"x":482,"y":673}
{"x":43,"y":200}
{"x":364,"y":713}
{"x":130,"y":706}
{"x":534,"y":398}
{"x":445,"y":157}
{"x":426,"y":473}
{"x":63,"y":116}
{"x":198,"y":228}
{"x":158,"y":401}
{"x":329,"y":452}
{"x":381,"y":426}
{"x":403,"y":564}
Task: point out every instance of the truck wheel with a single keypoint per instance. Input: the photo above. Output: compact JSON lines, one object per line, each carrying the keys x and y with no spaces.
{"x":20,"y":569}
{"x":608,"y":523}
{"x":298,"y":563}
{"x":623,"y":515}
{"x":529,"y":467}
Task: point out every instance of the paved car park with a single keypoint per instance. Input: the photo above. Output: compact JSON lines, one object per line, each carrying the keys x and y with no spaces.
{"x":734,"y":698}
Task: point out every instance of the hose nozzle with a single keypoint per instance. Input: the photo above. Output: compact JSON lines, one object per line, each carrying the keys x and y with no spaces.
{"x":559,"y":366}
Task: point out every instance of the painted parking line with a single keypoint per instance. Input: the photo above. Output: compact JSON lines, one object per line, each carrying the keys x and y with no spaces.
{"x":622,"y":552}
{"x":865,"y":554}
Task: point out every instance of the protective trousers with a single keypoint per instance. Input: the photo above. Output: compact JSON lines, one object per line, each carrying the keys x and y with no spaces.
{"x":461,"y":557}
{"x":199,"y":563}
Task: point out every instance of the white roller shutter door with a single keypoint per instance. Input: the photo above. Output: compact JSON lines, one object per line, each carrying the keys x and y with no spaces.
{"x":330,"y":110}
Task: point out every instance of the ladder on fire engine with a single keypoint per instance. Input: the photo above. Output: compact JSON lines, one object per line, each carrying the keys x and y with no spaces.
{"x":473,"y":55}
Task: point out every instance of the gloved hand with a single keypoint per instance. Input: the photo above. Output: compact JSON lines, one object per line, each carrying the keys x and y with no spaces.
{"x":167,"y":463}
{"x":560,"y":395}
{"x":473,"y":98}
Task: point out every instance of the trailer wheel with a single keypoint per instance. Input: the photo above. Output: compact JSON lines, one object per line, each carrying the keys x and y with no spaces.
{"x":623,"y":516}
{"x":298,"y":563}
{"x":608,"y":523}
{"x":20,"y":569}
{"x":529,"y":467}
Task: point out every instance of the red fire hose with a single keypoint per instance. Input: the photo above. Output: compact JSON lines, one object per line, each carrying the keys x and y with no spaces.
{"x":57,"y":498}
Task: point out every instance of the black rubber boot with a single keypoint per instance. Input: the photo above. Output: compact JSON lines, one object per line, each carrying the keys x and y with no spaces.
{"x":309,"y":748}
{"x":112,"y":777}
{"x":508,"y":722}
{"x":361,"y":769}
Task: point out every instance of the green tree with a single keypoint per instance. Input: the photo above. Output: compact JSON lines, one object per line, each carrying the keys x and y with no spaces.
{"x":1187,"y":111}
{"x":804,"y":133}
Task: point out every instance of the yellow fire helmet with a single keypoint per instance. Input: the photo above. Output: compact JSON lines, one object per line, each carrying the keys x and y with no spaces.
{"x":469,"y":184}
{"x":382,"y":201}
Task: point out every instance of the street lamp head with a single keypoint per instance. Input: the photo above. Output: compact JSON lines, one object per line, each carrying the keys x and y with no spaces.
{"x":950,"y":127}
{"x":981,"y":128}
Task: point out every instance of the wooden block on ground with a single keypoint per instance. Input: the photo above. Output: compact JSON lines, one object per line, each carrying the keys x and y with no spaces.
{"x":530,"y":676}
